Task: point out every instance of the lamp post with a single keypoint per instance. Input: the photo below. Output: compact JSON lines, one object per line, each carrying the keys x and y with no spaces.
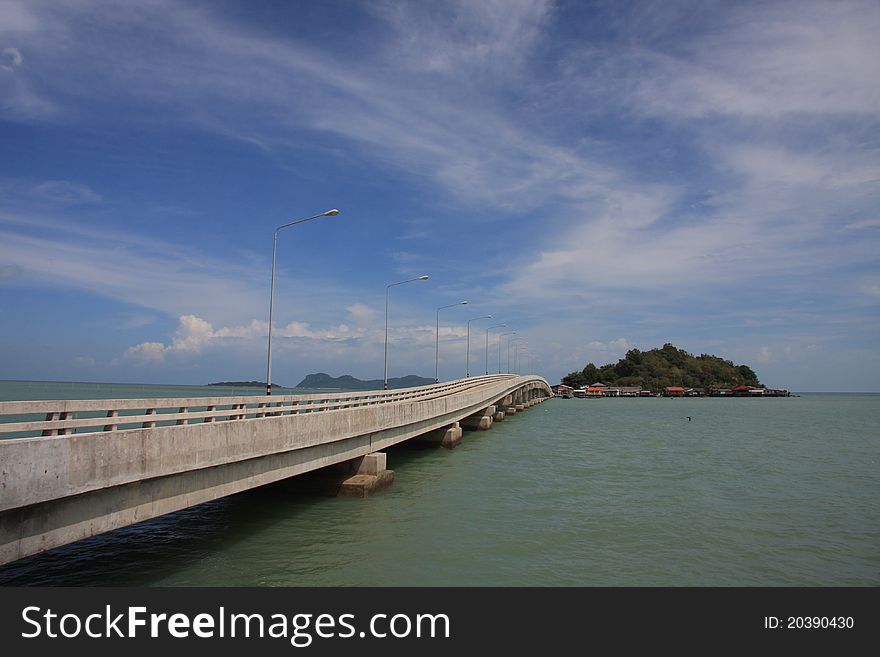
{"x":516,"y":351}
{"x":508,"y":350}
{"x":467,"y":371}
{"x":437,"y":340}
{"x":328,"y":213}
{"x":387,"y":293}
{"x":487,"y":345}
{"x":528,"y":362}
{"x":517,"y":360}
{"x":499,"y":346}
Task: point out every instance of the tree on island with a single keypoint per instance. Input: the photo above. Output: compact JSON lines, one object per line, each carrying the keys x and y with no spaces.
{"x":667,"y":366}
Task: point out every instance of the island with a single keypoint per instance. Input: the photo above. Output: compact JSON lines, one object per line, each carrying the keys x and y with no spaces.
{"x":670,"y":371}
{"x":322,"y":381}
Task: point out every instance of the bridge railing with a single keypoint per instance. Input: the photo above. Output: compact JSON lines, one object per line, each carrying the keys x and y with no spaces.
{"x":23,"y":419}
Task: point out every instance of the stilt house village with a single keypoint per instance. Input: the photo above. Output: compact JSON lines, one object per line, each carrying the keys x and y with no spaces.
{"x":665,"y":372}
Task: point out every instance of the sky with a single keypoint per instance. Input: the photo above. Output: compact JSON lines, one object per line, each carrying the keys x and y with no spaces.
{"x":597,"y":176}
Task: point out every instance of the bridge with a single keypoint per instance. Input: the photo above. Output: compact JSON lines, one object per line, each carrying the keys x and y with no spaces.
{"x":71,"y":469}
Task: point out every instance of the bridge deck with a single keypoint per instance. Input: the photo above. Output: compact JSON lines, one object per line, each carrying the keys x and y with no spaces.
{"x":67,"y":416}
{"x":96,"y":465}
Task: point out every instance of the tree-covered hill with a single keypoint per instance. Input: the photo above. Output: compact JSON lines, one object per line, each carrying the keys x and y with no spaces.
{"x":666,"y":366}
{"x":347,"y":382}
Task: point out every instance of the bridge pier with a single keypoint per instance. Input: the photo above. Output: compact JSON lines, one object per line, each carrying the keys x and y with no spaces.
{"x":506,"y":405}
{"x":367,"y":474}
{"x":358,"y":477}
{"x":480,"y":420}
{"x":447,"y":437}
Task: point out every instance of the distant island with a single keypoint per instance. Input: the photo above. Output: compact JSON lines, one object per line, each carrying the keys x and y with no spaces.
{"x":348,"y":382}
{"x":245,"y":384}
{"x":667,"y":366}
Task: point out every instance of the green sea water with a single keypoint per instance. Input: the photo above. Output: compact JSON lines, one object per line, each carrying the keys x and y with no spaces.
{"x":606,"y":492}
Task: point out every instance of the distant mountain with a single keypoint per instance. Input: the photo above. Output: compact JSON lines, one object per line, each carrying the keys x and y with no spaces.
{"x":245,"y":384}
{"x":348,"y":382}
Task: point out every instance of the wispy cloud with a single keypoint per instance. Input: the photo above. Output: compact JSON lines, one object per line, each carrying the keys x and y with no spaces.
{"x":864,"y":223}
{"x":156,"y":276}
{"x":409,"y":114}
{"x":768,"y":195}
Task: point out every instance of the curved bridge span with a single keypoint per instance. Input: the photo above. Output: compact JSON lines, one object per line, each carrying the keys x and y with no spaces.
{"x":90,"y":466}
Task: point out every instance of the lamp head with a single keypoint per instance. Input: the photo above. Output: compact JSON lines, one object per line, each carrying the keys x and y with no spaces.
{"x":423,"y":278}
{"x":331,"y":213}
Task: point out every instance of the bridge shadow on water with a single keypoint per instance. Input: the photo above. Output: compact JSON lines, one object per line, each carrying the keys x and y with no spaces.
{"x":154,"y":550}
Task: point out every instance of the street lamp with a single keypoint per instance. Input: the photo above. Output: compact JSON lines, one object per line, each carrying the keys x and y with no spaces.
{"x":508,"y":350}
{"x":437,"y":340}
{"x":387,"y":292}
{"x":329,"y":213}
{"x":499,"y":347}
{"x":487,"y":345}
{"x":516,"y":355}
{"x":520,"y":344}
{"x":467,"y":372}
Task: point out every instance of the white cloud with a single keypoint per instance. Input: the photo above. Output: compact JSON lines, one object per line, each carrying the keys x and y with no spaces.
{"x":490,"y":37}
{"x":66,"y":192}
{"x":864,"y":223}
{"x":772,"y":59}
{"x":47,"y":194}
{"x":194,"y":334}
{"x":146,"y":352}
{"x":764,"y":355}
{"x":361,"y":313}
{"x":437,"y":126}
{"x":15,"y":17}
{"x":10,"y":58}
{"x":871,"y":289}
{"x":136,"y":320}
{"x":618,"y":346}
{"x":773,"y":164}
{"x":129,"y":267}
{"x":9,"y":272}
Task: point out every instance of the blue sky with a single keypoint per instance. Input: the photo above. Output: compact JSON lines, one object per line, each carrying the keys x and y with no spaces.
{"x":599,"y":176}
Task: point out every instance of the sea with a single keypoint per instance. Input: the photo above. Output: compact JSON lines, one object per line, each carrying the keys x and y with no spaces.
{"x":576,"y":492}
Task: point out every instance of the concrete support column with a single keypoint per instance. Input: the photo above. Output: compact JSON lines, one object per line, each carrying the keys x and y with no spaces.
{"x":368,"y":474}
{"x":447,"y":437}
{"x":518,"y":400}
{"x":359,"y":477}
{"x":480,"y":420}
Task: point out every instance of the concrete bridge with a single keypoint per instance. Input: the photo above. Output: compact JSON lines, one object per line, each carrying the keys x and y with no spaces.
{"x":91,"y":466}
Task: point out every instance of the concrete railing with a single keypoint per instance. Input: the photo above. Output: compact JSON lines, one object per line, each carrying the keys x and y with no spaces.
{"x":136,"y":459}
{"x":65,"y":417}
